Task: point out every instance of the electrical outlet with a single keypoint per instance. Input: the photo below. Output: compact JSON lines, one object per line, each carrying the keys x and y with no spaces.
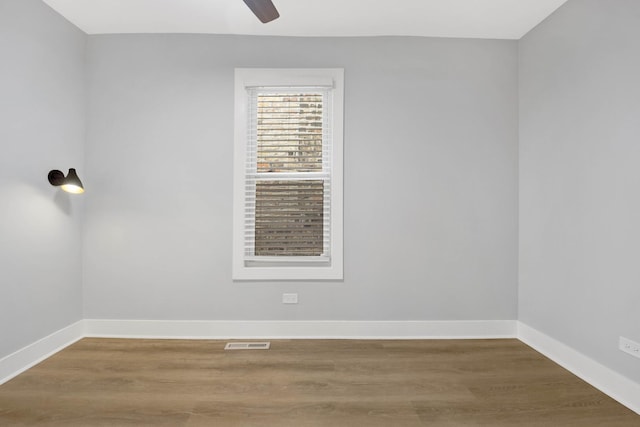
{"x":628,"y":346}
{"x":289,"y":298}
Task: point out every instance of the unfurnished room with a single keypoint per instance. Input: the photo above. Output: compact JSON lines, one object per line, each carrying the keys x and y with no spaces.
{"x":320,"y":213}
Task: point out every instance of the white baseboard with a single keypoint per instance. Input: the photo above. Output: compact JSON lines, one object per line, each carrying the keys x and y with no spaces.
{"x":618,"y":387}
{"x":23,"y":359}
{"x":608,"y":381}
{"x":220,"y":329}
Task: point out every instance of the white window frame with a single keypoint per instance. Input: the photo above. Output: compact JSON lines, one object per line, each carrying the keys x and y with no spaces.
{"x":304,"y":269}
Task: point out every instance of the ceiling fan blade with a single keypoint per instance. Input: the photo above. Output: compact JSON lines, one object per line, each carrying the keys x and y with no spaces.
{"x":263,"y":9}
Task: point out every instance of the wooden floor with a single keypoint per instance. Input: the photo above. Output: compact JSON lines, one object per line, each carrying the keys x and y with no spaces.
{"x":109,"y":382}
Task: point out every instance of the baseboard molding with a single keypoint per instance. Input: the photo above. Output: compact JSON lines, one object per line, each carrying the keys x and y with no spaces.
{"x":23,"y":359}
{"x":301,"y":329}
{"x":608,"y":381}
{"x":611,"y":383}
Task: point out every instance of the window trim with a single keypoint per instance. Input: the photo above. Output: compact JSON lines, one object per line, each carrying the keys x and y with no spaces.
{"x":304,"y":270}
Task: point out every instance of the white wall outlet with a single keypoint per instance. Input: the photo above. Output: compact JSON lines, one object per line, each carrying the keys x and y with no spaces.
{"x":628,"y":346}
{"x":289,"y":298}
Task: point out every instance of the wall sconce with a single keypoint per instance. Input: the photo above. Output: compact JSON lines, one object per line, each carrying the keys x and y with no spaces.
{"x":70,"y":183}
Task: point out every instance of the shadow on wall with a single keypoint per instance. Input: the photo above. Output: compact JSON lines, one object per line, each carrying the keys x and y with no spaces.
{"x":63,"y":202}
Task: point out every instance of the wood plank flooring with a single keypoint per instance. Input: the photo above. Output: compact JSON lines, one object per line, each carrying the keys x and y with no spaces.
{"x":111,"y":382}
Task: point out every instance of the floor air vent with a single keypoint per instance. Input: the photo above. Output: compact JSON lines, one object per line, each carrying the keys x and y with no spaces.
{"x":247,"y":346}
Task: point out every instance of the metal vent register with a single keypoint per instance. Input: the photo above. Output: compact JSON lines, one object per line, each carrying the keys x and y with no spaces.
{"x":247,"y":346}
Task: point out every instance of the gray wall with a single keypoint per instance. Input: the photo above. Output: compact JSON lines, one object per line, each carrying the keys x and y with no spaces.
{"x":41,"y":128}
{"x":430,"y":179}
{"x":580,"y":178}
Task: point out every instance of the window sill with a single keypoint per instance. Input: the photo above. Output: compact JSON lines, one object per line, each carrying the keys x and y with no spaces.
{"x":296,"y":270}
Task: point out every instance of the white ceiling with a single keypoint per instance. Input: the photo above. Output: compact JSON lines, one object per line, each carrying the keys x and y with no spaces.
{"x":494,"y":19}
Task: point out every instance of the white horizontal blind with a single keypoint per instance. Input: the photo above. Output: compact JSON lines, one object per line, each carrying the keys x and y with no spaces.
{"x":288,"y":175}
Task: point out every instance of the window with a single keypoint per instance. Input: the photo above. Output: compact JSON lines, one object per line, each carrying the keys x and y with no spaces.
{"x":288,"y":174}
